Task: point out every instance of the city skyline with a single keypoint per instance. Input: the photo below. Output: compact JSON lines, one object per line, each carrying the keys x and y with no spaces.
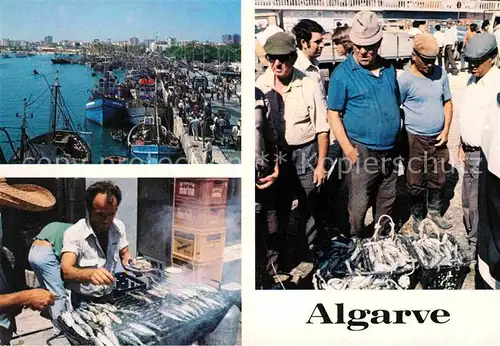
{"x":119,"y":20}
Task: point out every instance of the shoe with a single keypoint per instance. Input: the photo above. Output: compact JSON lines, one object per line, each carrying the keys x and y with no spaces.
{"x":440,"y":221}
{"x":435,"y":203}
{"x":417,"y":210}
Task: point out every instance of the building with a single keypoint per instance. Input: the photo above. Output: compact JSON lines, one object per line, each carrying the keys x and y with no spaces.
{"x":148,"y":41}
{"x":159,"y":46}
{"x":5,"y":42}
{"x":171,"y":41}
{"x":134,"y":41}
{"x":96,"y":40}
{"x":231,"y":39}
{"x":48,"y":39}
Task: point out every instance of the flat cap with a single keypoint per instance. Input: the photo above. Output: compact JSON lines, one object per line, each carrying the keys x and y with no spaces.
{"x":366,"y":29}
{"x":480,"y":46}
{"x":426,"y":46}
{"x":280,"y":44}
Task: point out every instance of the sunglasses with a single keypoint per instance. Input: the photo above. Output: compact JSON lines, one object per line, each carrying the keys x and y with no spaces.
{"x":370,"y":48}
{"x":475,"y":63}
{"x":282,"y":58}
{"x":426,"y":61}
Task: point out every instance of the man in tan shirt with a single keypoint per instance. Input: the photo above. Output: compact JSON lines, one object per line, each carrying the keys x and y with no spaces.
{"x":298,"y":112}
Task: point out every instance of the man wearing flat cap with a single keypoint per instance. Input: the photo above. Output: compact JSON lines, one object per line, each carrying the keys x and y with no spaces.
{"x":297,"y":109}
{"x":428,"y":110}
{"x":479,"y":148}
{"x":30,"y":198}
{"x":364,"y":115}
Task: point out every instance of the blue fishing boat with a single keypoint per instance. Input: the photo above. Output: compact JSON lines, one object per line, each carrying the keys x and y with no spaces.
{"x":6,"y":56}
{"x":153,"y":143}
{"x":103,"y":107}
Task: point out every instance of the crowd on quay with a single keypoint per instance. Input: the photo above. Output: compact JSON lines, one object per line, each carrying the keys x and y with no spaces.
{"x":360,"y":133}
{"x":194,"y":102}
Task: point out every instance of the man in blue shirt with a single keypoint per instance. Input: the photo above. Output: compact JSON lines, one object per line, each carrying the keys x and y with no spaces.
{"x":428,"y":110}
{"x":364,"y":115}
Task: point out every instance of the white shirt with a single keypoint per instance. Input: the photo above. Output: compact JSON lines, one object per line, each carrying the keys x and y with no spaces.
{"x":478,"y":103}
{"x":309,"y":68}
{"x":490,"y":143}
{"x":450,"y":36}
{"x":497,"y":36}
{"x":414,"y":32}
{"x":81,"y":240}
{"x":439,"y":36}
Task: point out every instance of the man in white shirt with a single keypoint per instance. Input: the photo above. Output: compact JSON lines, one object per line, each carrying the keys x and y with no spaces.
{"x":417,"y":28}
{"x":484,"y":87}
{"x":93,"y":246}
{"x":309,"y":37}
{"x":450,"y":42}
{"x":439,"y":36}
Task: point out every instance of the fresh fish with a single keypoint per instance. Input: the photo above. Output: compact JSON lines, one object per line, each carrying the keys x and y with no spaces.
{"x":129,"y":312}
{"x":206,"y":288}
{"x":68,"y":320}
{"x":84,"y":315}
{"x":191,"y":310}
{"x":152,"y":325}
{"x":111,"y":336}
{"x":132,"y":337}
{"x":92,"y":316}
{"x":171,"y":315}
{"x":79,"y":331}
{"x":113,"y":317}
{"x":104,"y":339}
{"x":143,"y":297}
{"x":141,"y":329}
{"x":82,"y":324}
{"x":96,"y":341}
{"x":107,"y":307}
{"x":104,"y":320}
{"x":93,"y":309}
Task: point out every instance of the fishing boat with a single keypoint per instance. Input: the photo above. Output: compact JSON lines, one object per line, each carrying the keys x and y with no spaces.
{"x":59,"y":145}
{"x":141,"y":104}
{"x":6,"y":56}
{"x":21,"y":55}
{"x":152,"y":142}
{"x":61,"y":61}
{"x":103,"y":106}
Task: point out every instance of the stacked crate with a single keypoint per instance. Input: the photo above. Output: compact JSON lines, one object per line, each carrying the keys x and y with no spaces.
{"x":199,"y":227}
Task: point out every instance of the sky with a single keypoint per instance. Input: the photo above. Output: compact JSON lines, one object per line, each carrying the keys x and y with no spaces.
{"x":85,"y":20}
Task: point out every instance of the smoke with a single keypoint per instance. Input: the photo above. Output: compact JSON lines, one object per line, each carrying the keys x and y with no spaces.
{"x":155,"y":235}
{"x":232,"y":269}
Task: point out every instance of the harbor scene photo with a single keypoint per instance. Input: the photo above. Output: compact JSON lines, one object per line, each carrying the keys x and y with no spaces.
{"x":137,"y":84}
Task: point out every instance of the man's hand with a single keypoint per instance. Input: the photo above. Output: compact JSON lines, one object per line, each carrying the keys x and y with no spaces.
{"x":352,"y":154}
{"x":101,"y":276}
{"x":320,"y":175}
{"x":39,"y":299}
{"x":442,"y":138}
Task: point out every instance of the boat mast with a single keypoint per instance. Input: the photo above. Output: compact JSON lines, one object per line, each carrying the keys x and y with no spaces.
{"x":56,"y":87}
{"x":157,"y":126}
{"x":24,"y":137}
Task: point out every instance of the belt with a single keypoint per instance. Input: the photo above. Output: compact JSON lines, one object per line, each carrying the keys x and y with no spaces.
{"x":300,"y":146}
{"x":469,"y":149}
{"x":42,"y":242}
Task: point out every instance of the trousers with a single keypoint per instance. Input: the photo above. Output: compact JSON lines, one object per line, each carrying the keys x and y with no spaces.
{"x":47,"y":269}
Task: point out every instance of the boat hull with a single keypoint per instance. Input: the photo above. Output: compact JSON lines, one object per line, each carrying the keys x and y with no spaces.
{"x":154,"y":154}
{"x":102,"y":111}
{"x":69,"y":148}
{"x":137,"y":114}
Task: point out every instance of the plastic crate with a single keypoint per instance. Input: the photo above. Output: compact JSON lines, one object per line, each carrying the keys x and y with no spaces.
{"x":444,"y":278}
{"x":125,"y":283}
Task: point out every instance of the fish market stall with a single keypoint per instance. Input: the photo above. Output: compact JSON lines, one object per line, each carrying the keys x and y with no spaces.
{"x":433,"y":259}
{"x":167,"y":312}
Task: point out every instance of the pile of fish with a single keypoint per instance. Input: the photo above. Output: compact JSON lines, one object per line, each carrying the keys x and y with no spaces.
{"x":389,"y":255}
{"x":165,"y":314}
{"x":337,"y":258}
{"x":355,"y":282}
{"x":439,"y":250}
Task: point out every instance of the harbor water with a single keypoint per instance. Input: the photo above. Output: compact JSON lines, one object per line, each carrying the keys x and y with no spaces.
{"x":17,"y":82}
